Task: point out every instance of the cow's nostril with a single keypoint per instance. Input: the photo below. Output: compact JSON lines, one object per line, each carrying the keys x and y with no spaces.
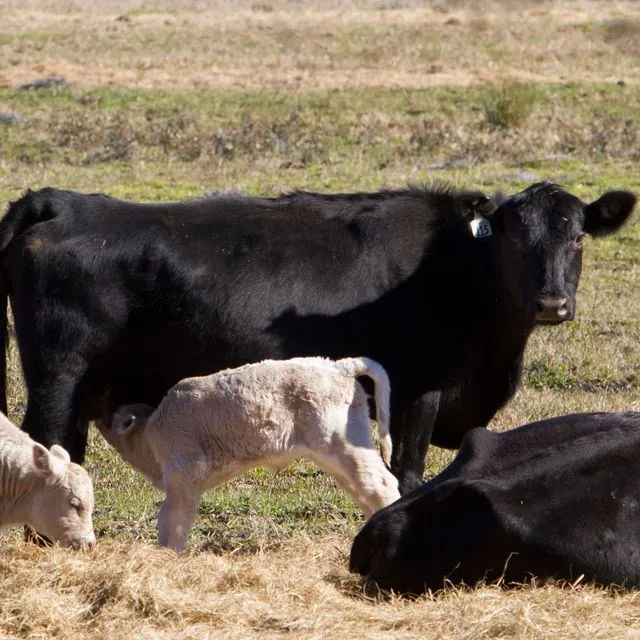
{"x":551,"y":309}
{"x":562,"y":309}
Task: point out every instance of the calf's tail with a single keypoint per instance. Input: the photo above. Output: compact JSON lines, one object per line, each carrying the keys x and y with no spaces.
{"x":374,"y":370}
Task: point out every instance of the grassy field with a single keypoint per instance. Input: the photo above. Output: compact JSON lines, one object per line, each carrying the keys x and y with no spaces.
{"x":170,"y":100}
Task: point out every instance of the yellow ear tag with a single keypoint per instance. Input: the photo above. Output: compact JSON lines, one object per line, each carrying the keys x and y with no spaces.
{"x":480,"y":227}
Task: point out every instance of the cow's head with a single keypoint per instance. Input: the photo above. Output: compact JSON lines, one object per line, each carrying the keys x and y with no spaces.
{"x":62,"y":504}
{"x":545,"y":226}
{"x":126,"y":433}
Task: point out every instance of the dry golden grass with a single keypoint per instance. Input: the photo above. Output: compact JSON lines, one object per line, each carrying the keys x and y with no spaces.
{"x":126,"y":590}
{"x":302,"y":46}
{"x":282,"y":563}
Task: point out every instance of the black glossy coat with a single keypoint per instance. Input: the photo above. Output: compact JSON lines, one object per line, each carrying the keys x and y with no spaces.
{"x":558,"y":498}
{"x":114,"y":302}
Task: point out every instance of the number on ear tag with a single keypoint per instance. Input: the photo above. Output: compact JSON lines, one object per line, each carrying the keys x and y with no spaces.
{"x":480,"y":227}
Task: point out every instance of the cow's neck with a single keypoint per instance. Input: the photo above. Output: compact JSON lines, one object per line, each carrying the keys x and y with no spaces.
{"x":516,"y":292}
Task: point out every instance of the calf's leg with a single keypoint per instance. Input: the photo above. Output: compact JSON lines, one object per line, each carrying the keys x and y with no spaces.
{"x":176,"y":517}
{"x":362,"y":474}
{"x":182,"y":477}
{"x":374,"y":484}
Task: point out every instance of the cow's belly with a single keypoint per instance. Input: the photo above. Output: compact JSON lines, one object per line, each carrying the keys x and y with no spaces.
{"x":145,"y":361}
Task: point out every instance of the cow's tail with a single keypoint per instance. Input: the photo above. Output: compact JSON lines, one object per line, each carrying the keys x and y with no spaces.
{"x":374,"y":370}
{"x":23,"y":213}
{"x":4,"y":340}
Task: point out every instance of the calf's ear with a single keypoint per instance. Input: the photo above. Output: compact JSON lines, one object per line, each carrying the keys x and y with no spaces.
{"x":608,"y":213}
{"x":51,"y":466}
{"x":60,"y":452}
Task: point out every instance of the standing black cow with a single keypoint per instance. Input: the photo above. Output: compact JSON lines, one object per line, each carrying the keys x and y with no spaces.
{"x":558,"y":498}
{"x":100,"y":288}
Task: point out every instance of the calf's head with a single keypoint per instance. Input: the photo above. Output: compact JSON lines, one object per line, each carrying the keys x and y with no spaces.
{"x":126,"y":433}
{"x":63,"y":503}
{"x":544,"y":226}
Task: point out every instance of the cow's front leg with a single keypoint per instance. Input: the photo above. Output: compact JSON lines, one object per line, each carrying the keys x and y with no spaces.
{"x":53,"y":417}
{"x":53,"y":414}
{"x":411,"y":432}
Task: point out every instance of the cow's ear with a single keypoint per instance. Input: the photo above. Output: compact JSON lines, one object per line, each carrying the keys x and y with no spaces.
{"x":51,"y":467}
{"x":60,"y":452}
{"x":474,"y":203}
{"x":608,"y":213}
{"x":506,"y":218}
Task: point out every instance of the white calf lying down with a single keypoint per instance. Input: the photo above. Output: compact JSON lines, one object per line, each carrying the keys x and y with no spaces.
{"x":43,"y":489}
{"x":207,"y":430}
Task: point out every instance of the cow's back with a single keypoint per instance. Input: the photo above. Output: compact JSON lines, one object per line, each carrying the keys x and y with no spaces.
{"x":222,"y":282}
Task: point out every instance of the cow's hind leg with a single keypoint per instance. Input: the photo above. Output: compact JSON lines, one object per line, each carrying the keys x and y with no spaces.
{"x":411,"y":432}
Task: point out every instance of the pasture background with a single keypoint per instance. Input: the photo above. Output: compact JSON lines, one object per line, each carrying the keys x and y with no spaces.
{"x":170,"y":100}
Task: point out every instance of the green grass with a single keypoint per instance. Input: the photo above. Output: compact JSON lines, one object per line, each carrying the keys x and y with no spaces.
{"x":163,"y":146}
{"x":264,"y":97}
{"x":509,"y":105}
{"x":253,"y":512}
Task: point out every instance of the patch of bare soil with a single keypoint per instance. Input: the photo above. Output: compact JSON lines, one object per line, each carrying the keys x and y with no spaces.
{"x":297,"y":47}
{"x":248,"y":80}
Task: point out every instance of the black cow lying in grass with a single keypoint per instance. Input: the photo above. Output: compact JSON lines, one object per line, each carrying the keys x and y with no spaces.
{"x":557,"y":498}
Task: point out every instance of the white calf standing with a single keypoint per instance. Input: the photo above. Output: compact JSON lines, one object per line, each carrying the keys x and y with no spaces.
{"x":209,"y":429}
{"x":43,"y":489}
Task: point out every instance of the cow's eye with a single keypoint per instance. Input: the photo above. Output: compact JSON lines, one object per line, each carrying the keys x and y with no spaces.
{"x":74,"y":502}
{"x":577,"y":241}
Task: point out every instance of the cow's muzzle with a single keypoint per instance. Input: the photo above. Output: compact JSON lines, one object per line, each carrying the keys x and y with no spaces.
{"x":553,"y":309}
